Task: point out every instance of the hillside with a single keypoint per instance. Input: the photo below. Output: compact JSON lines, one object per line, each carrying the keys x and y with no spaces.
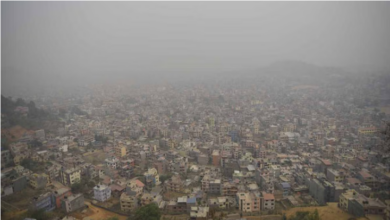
{"x":21,"y":113}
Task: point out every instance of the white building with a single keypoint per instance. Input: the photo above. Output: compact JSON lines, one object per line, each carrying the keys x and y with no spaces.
{"x":63,"y":148}
{"x":101,"y":193}
{"x":112,"y":162}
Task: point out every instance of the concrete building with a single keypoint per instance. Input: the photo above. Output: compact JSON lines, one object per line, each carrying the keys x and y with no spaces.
{"x":152,"y":178}
{"x":128,"y":201}
{"x":112,"y":162}
{"x":215,"y":186}
{"x":136,"y":186}
{"x":120,"y":151}
{"x":360,"y":206}
{"x":244,"y":202}
{"x":203,"y":159}
{"x":216,"y":158}
{"x":175,"y":184}
{"x":334,"y":175}
{"x":72,"y":203}
{"x":60,"y":194}
{"x":199,"y":213}
{"x":268,"y":201}
{"x":101,"y":193}
{"x":71,"y":176}
{"x":38,"y":181}
{"x":44,"y":201}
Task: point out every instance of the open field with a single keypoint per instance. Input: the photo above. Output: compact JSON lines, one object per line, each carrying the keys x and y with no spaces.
{"x":14,"y":133}
{"x":174,"y":217}
{"x":12,"y":215}
{"x":331,"y":211}
{"x":96,"y":213}
{"x":264,"y":217}
{"x":22,"y":199}
{"x":95,"y":157}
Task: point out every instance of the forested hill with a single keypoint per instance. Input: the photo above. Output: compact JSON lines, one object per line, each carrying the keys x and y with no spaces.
{"x":22,"y":113}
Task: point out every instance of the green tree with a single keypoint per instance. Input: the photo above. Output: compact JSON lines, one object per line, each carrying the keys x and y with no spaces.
{"x":306,"y":216}
{"x":76,"y":188}
{"x":315,"y":215}
{"x":39,"y":214}
{"x":150,"y":212}
{"x":163,"y":178}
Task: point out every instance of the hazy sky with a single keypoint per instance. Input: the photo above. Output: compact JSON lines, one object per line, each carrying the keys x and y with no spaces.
{"x":80,"y":40}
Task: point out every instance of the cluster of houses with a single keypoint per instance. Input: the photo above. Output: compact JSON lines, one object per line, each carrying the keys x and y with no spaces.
{"x":226,"y":147}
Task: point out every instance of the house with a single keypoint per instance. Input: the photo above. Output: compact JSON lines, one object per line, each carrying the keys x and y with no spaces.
{"x":72,"y":203}
{"x":216,"y":158}
{"x":71,"y":176}
{"x":117,"y":190}
{"x":128,"y":201}
{"x":334,"y":175}
{"x":244,"y":202}
{"x":136,"y":186}
{"x":44,"y":201}
{"x":152,"y":178}
{"x":38,"y":181}
{"x":120,"y":151}
{"x":228,"y":189}
{"x":11,"y":182}
{"x":101,"y":193}
{"x":175,"y":184}
{"x":368,"y":180}
{"x":345,"y":197}
{"x":268,"y":201}
{"x":112,"y":162}
{"x":191,"y":202}
{"x":215,"y":186}
{"x":285,"y":188}
{"x":60,"y":194}
{"x":146,"y":199}
{"x":199,"y":213}
{"x":360,"y":206}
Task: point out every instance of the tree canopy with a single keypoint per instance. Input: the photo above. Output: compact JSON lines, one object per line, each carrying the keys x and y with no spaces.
{"x":150,"y":212}
{"x":306,"y":216}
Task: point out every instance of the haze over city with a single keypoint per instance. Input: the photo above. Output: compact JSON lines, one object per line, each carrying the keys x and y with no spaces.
{"x":50,"y":43}
{"x":195,"y":111}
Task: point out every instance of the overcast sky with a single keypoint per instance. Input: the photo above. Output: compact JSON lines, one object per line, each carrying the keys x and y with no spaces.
{"x":80,"y":40}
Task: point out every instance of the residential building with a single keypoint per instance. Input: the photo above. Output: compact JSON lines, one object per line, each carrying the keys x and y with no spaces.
{"x":70,"y":176}
{"x":120,"y":151}
{"x":102,"y":192}
{"x":128,"y":201}
{"x":175,"y":184}
{"x":112,"y":162}
{"x":44,"y":201}
{"x":268,"y":201}
{"x":72,"y":203}
{"x":60,"y":194}
{"x":334,"y":175}
{"x":216,"y":158}
{"x":38,"y":181}
{"x":135,"y":185}
{"x":199,"y":213}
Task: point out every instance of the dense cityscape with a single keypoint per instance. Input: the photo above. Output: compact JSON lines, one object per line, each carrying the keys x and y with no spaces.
{"x":198,"y":110}
{"x":220,"y":149}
